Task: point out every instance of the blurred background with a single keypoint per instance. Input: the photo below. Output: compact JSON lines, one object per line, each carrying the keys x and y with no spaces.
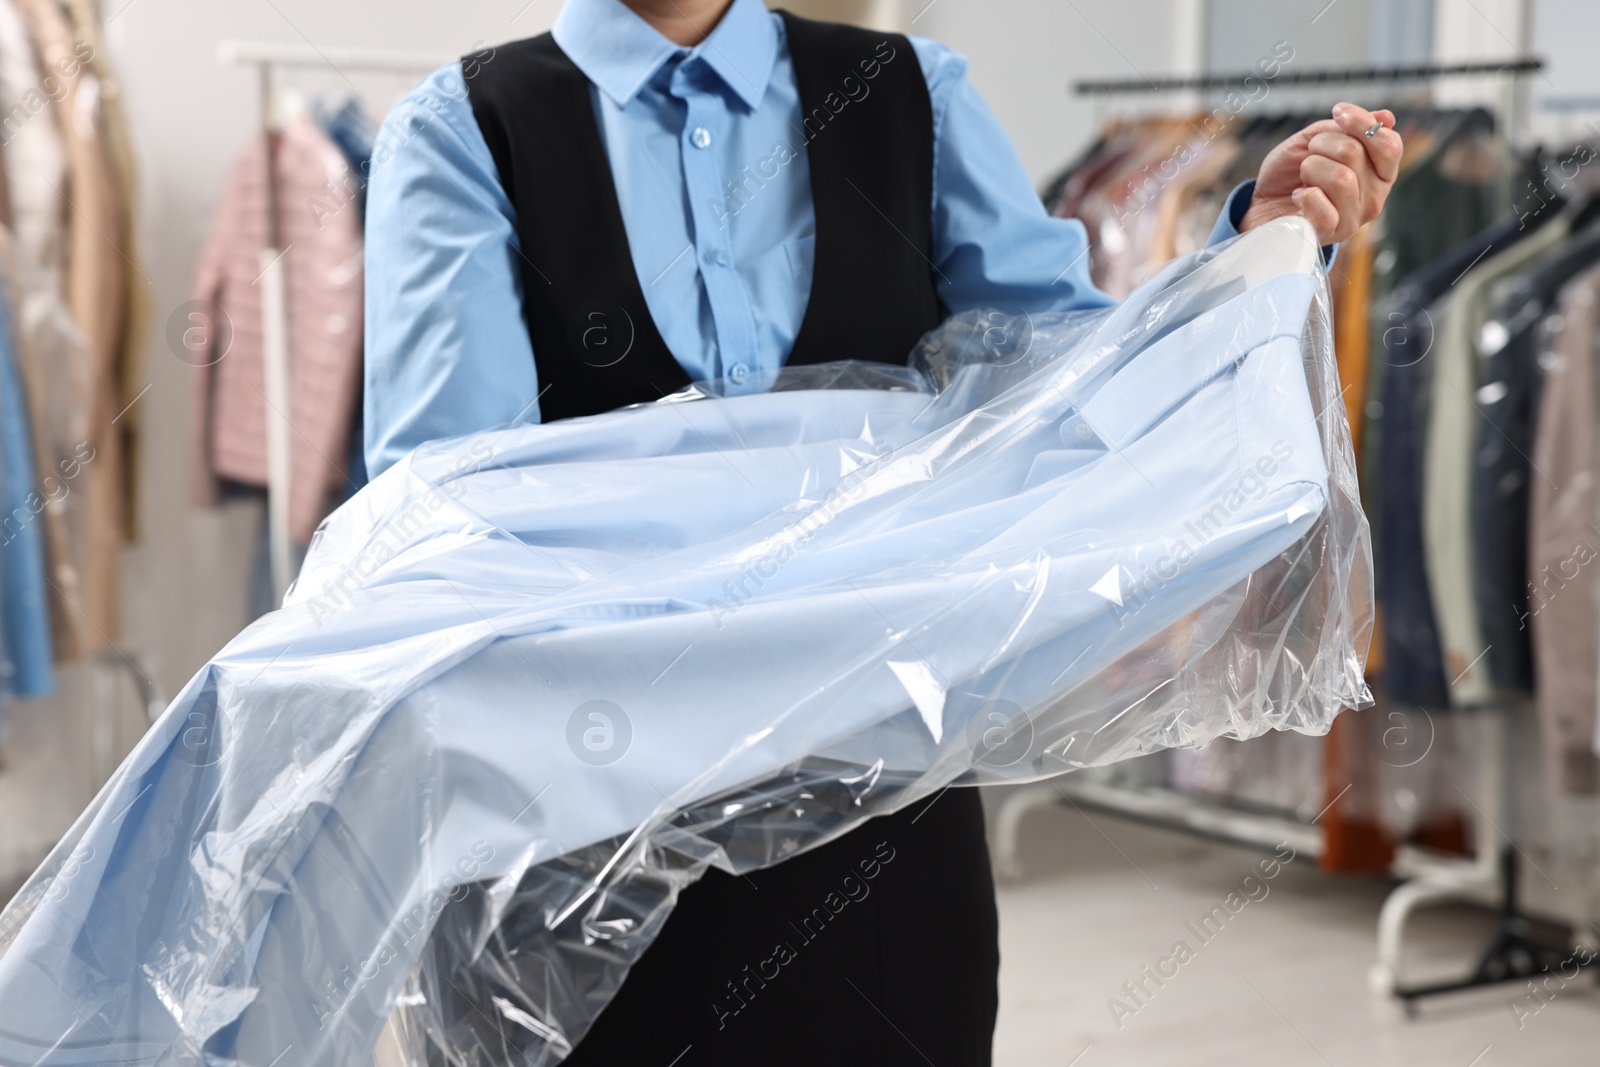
{"x":1457,"y":816}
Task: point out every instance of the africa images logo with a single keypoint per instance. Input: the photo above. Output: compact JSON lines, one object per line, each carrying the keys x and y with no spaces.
{"x":599,"y":732}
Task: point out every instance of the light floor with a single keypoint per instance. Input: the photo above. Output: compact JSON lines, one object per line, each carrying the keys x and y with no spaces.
{"x":1284,"y":982}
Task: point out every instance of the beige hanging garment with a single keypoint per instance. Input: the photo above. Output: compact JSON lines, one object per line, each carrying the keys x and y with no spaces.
{"x":95,"y":269}
{"x":96,"y":273}
{"x":1563,"y":546}
{"x":118,"y":143}
{"x":52,"y":352}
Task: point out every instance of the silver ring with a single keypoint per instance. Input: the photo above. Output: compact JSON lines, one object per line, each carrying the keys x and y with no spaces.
{"x":1375,"y":128}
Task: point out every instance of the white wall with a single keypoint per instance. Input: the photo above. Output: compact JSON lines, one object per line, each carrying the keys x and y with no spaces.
{"x":1025,"y":54}
{"x":1567,"y":34}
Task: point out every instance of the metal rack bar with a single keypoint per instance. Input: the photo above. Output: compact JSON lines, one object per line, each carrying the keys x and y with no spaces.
{"x":276,"y":54}
{"x":1154,"y":805}
{"x":1318,"y":76}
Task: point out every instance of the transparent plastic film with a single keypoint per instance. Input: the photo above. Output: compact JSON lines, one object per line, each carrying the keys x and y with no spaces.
{"x":532,"y":684}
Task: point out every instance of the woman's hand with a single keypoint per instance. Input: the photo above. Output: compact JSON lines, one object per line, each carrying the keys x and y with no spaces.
{"x":1330,"y":172}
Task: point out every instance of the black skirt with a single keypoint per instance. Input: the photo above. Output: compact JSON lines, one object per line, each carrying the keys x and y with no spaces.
{"x":880,"y":948}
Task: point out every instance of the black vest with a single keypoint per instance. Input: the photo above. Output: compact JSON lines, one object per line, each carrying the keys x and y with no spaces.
{"x":867,"y":131}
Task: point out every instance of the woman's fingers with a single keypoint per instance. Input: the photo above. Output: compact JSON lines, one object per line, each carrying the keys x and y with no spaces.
{"x":1382,"y":148}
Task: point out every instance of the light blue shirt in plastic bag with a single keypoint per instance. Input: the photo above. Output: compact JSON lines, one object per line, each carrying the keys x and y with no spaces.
{"x":532,"y":681}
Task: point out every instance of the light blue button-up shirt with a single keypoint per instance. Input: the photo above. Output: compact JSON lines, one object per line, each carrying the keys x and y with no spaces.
{"x":711,"y":175}
{"x":251,"y":880}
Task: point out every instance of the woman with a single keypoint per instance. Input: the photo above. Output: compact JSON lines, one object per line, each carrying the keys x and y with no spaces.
{"x":663,"y":191}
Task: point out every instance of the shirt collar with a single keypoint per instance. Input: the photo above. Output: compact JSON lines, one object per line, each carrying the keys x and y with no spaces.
{"x":619,"y":51}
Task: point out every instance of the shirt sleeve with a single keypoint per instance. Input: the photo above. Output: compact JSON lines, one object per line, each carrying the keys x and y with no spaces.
{"x":1233,"y":212}
{"x":994,"y":244}
{"x":447,"y":352}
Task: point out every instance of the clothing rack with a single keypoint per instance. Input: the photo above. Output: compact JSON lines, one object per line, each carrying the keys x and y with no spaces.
{"x":1492,"y":874}
{"x":1154,"y":805}
{"x":1316,"y":76}
{"x":266,"y":57}
{"x":1514,"y":951}
{"x":1510,"y":109}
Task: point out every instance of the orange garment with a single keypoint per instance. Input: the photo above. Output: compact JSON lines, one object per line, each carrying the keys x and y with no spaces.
{"x":1351,"y":285}
{"x":1352,"y":340}
{"x":1351,"y":324}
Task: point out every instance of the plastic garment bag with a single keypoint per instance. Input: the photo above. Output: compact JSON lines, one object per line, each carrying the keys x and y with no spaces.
{"x":531,"y":683}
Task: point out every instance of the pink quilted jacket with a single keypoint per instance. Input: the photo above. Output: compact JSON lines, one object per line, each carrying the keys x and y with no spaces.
{"x":320,"y":232}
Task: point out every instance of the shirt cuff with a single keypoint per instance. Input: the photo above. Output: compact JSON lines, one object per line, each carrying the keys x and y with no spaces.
{"x":1233,"y":213}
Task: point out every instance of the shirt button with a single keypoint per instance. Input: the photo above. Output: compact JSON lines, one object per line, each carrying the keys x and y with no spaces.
{"x":701,"y":137}
{"x":719,"y":258}
{"x":738,"y":372}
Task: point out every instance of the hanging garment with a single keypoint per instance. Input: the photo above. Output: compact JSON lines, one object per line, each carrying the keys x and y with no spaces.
{"x":1055,"y":191}
{"x":322,"y":261}
{"x":96,"y":289}
{"x":1407,"y":327}
{"x":1510,"y":344}
{"x":1351,"y":281}
{"x":24,"y":604}
{"x":1120,"y":210}
{"x":1563,"y":545}
{"x":128,"y":361}
{"x":53,"y":356}
{"x":1448,"y":189}
{"x":1449,"y":444}
{"x":1115,"y":144}
{"x":604,"y":653}
{"x":1352,"y":320}
{"x":1445,"y":196}
{"x":1179,"y":227}
{"x":348,"y":127}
